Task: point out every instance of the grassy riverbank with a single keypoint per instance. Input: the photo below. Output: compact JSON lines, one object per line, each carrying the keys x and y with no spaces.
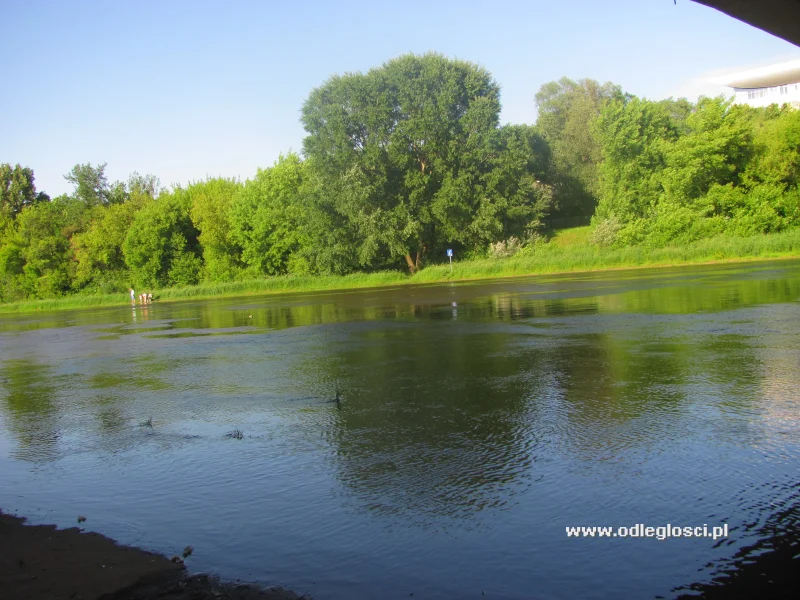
{"x":568,"y":251}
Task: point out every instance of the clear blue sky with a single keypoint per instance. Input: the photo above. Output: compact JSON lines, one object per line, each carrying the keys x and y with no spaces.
{"x":189,"y":89}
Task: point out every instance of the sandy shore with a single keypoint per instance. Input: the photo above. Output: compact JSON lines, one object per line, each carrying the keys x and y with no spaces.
{"x":40,"y":562}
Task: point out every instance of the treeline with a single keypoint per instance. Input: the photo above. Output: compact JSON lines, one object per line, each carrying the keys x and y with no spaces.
{"x":403,"y":162}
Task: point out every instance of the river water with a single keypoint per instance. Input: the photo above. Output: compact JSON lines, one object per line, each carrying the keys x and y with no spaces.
{"x":475,"y":423}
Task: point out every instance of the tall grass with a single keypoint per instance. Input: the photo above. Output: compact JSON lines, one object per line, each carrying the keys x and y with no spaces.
{"x":551,"y":258}
{"x":66,"y":302}
{"x":546,"y":258}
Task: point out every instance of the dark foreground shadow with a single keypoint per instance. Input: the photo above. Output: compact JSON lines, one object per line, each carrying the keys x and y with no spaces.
{"x":766,"y":569}
{"x":41,"y":562}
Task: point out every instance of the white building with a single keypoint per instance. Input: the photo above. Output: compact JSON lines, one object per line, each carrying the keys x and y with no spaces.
{"x":773,"y":84}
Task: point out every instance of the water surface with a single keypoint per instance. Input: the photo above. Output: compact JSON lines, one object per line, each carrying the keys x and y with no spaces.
{"x":476,"y":421}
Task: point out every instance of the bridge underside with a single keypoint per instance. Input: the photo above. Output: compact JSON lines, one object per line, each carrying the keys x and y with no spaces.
{"x":778,"y":17}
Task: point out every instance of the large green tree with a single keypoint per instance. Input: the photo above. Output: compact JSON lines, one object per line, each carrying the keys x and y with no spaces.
{"x":633,"y":133}
{"x":568,"y":111}
{"x":98,"y":251}
{"x":210,"y":210}
{"x":776,"y":148}
{"x":161,"y":246}
{"x":268,"y":217}
{"x":404,"y":152}
{"x":675,"y":172}
{"x":35,"y":254}
{"x":516,"y":185}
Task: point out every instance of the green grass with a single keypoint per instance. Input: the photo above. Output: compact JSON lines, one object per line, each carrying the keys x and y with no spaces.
{"x":552,"y":258}
{"x":574,"y":236}
{"x":567,"y":252}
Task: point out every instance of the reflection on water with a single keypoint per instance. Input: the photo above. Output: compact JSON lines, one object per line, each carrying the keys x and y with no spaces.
{"x":419,"y":434}
{"x":29,"y":393}
{"x":475,"y":422}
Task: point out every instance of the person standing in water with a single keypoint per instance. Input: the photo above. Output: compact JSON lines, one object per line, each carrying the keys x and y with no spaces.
{"x":133,"y":296}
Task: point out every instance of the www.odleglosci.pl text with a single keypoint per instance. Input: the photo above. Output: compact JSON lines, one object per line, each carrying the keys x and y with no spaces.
{"x":640,"y":530}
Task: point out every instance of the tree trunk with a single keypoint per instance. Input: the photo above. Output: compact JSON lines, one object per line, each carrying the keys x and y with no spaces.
{"x":412,"y":265}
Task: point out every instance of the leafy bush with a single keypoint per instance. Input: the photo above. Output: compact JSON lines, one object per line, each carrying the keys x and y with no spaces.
{"x":605,"y":233}
{"x":673,"y":223}
{"x":185,"y":269}
{"x":634,"y":233}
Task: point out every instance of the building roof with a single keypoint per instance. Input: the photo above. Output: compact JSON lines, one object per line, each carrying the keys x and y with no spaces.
{"x":771,"y":75}
{"x":778,"y":17}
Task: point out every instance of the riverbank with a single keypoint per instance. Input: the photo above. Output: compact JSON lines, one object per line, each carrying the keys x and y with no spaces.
{"x":43,"y":562}
{"x":552,"y":258}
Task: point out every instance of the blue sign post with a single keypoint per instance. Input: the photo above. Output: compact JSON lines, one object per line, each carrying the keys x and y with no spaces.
{"x":450,"y":256}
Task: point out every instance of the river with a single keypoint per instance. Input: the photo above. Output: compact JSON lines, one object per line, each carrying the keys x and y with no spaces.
{"x":475,"y":423}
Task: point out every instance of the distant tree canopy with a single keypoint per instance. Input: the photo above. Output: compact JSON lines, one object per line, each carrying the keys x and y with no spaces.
{"x":17,"y":190}
{"x":401,"y":163}
{"x":91,"y":185}
{"x":568,"y":111}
